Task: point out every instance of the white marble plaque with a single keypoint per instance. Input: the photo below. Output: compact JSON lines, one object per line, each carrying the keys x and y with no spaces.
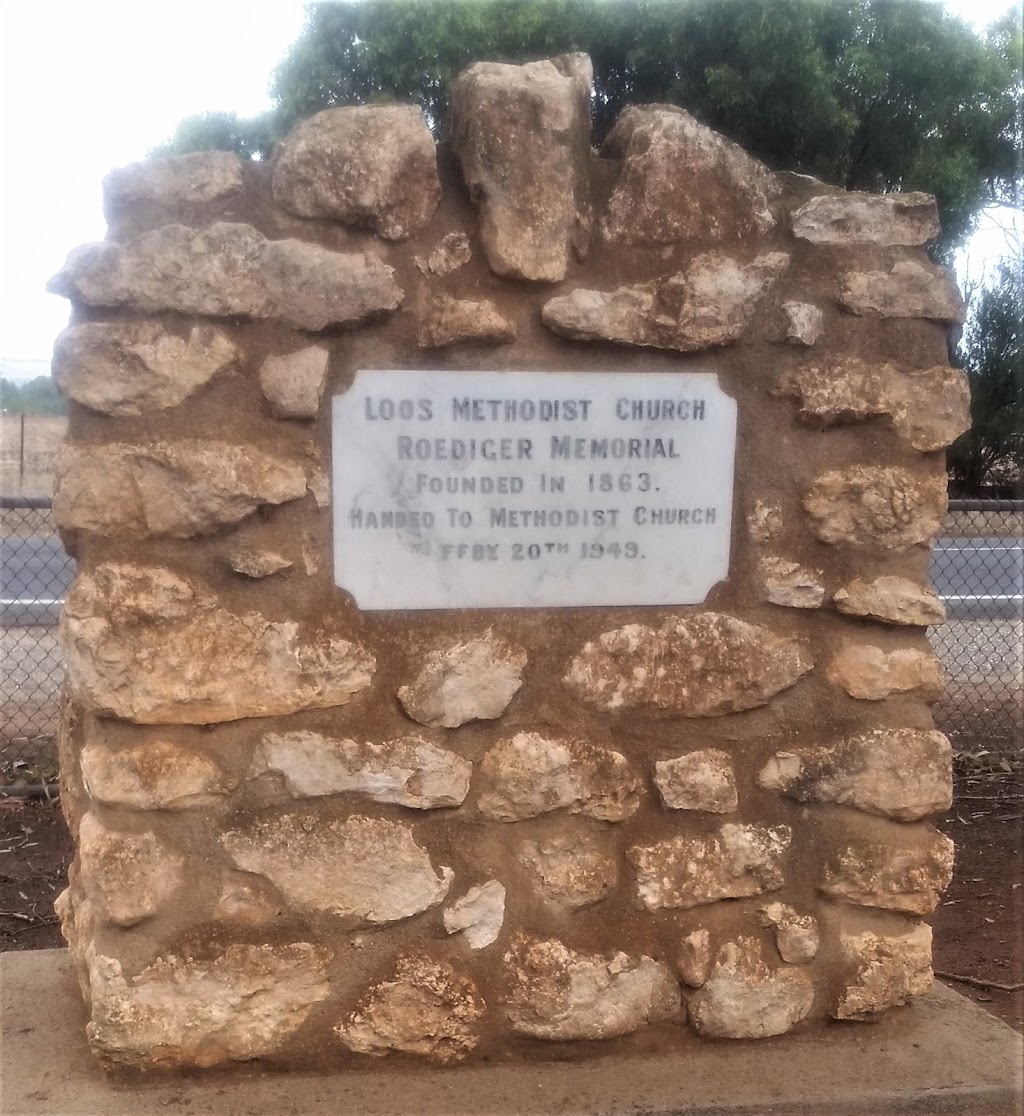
{"x":531,"y":489}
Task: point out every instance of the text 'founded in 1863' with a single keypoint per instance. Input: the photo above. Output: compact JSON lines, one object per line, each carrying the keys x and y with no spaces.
{"x":531,"y":489}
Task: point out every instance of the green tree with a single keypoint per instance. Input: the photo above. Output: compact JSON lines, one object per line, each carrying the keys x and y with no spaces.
{"x":38,"y":396}
{"x":992,"y":355}
{"x":869,"y":94}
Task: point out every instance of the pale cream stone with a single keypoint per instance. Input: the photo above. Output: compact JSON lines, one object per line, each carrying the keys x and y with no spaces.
{"x":765,"y":522}
{"x":701,"y":780}
{"x":887,"y":971}
{"x":804,"y":323}
{"x":451,"y":252}
{"x":702,"y":665}
{"x":423,"y":1008}
{"x":472,"y":680}
{"x":257,"y":562}
{"x":743,"y":998}
{"x":572,"y":869}
{"x":710,"y":303}
{"x":791,"y":585}
{"x":682,"y":181}
{"x":929,"y":408}
{"x":796,"y":935}
{"x":127,"y":876}
{"x":908,"y":289}
{"x":858,"y":218}
{"x":138,"y":367}
{"x":693,"y":961}
{"x":205,"y":664}
{"x":908,"y":875}
{"x":448,"y":321}
{"x":530,"y":774}
{"x":904,"y":774}
{"x":507,"y":122}
{"x":160,"y":775}
{"x":195,"y":178}
{"x":230,"y":270}
{"x":247,"y":899}
{"x":409,"y":771}
{"x":294,"y":383}
{"x":361,"y":868}
{"x":867,"y":672}
{"x":892,"y":600}
{"x":241,"y":1004}
{"x":878,"y":506}
{"x":557,"y":993}
{"x":177,"y":489}
{"x":370,"y":165}
{"x":479,"y":915}
{"x":733,"y":862}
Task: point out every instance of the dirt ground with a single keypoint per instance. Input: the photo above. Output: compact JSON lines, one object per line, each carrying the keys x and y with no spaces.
{"x":979,"y":928}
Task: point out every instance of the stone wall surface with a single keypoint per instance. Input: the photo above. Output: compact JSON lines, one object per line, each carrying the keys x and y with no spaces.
{"x":308,"y":833}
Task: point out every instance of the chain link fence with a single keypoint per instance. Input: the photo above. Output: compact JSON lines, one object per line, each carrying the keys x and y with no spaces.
{"x":978,"y":568}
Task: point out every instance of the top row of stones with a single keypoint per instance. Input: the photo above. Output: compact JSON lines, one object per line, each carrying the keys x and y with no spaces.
{"x":521,"y":135}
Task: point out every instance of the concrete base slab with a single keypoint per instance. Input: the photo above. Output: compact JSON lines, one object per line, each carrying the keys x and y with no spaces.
{"x":943,"y":1056}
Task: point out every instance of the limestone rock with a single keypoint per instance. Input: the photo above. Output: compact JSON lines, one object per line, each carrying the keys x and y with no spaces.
{"x":907,"y":290}
{"x":733,"y":862}
{"x":136,"y":367}
{"x":694,"y":960}
{"x":204,"y":664}
{"x":765,"y":522}
{"x":893,"y":600}
{"x":856,"y":218}
{"x":710,"y":303}
{"x":196,"y":178}
{"x":181,"y":489}
{"x":448,"y":321}
{"x":697,"y":781}
{"x":929,"y":408}
{"x":876,"y":505}
{"x":557,"y":993}
{"x":182,"y":1011}
{"x":407,"y":772}
{"x":230,"y":270}
{"x":796,"y":935}
{"x":371,"y":165}
{"x":160,"y":775}
{"x":522,"y":137}
{"x":867,"y":672}
{"x":246,"y":900}
{"x":697,"y":666}
{"x":898,"y":773}
{"x":127,"y":876}
{"x":423,"y":1008}
{"x":360,"y":868}
{"x":530,"y":774}
{"x":451,"y":252}
{"x":682,"y":181}
{"x":907,"y":875}
{"x":473,"y":680}
{"x":294,"y":383}
{"x":887,"y":971}
{"x":256,"y":562}
{"x":804,"y":323}
{"x":791,"y":585}
{"x":744,"y":998}
{"x":479,"y":915}
{"x":573,"y":869}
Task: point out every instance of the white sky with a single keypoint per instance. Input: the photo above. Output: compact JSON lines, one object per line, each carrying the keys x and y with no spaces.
{"x":87,"y":86}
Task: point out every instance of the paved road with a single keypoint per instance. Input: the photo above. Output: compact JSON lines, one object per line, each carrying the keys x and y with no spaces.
{"x":977,"y":577}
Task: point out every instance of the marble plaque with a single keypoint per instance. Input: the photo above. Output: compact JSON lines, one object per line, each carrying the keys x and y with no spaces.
{"x":531,"y":489}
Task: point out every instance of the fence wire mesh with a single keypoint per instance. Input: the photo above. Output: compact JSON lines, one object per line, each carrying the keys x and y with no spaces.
{"x":978,"y":568}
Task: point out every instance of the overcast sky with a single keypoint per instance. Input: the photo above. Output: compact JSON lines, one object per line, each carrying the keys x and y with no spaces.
{"x":86,"y":86}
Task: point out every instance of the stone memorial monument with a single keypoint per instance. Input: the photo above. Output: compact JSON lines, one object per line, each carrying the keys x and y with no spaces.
{"x":500,"y":616}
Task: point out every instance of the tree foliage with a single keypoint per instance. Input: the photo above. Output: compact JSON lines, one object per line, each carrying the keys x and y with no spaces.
{"x":992,"y":355}
{"x":38,"y":396}
{"x":869,"y":94}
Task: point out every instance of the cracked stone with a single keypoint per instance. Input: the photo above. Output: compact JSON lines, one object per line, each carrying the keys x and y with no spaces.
{"x":886,"y":971}
{"x":256,"y":562}
{"x":572,"y":869}
{"x":479,"y":915}
{"x":693,"y":961}
{"x":796,"y":935}
{"x":159,"y":775}
{"x":867,"y":672}
{"x":195,"y":178}
{"x":294,"y":383}
{"x":859,"y":218}
{"x":701,"y":780}
{"x":791,"y":585}
{"x":908,"y":289}
{"x":448,"y":321}
{"x":804,"y":323}
{"x":892,"y":600}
